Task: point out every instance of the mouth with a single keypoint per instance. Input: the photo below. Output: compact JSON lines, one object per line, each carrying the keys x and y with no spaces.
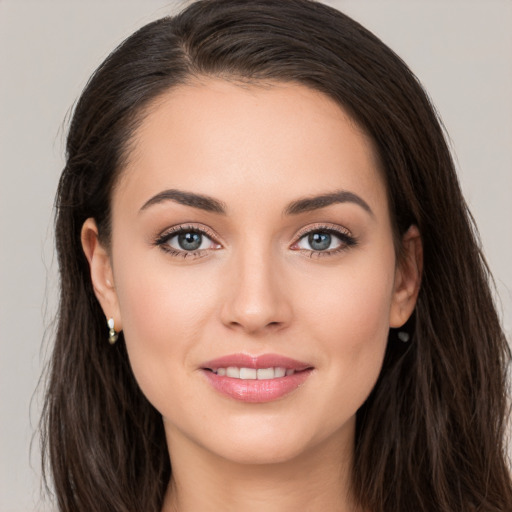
{"x":235,"y":372}
{"x":256,"y":379}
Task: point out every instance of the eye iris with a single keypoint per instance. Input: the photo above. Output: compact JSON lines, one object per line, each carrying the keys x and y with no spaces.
{"x":190,"y":241}
{"x":319,"y":241}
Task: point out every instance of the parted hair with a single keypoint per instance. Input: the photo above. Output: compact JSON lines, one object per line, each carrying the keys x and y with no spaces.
{"x":431,"y":435}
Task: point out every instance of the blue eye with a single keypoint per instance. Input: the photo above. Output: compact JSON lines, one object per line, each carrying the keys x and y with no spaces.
{"x":186,"y":241}
{"x":324,"y":240}
{"x":190,"y":241}
{"x":320,"y":241}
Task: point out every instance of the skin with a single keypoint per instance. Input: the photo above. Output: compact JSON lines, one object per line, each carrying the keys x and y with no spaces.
{"x":256,"y":287}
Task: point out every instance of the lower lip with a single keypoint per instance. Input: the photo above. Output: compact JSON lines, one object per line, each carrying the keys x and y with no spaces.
{"x":257,"y":391}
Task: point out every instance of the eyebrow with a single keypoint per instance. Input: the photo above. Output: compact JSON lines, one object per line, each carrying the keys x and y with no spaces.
{"x":309,"y":204}
{"x":297,"y":207}
{"x":188,"y":199}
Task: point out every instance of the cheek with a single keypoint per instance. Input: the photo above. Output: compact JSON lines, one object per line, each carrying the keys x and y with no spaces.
{"x":351,"y":306}
{"x":164,"y":313}
{"x":349,"y":319}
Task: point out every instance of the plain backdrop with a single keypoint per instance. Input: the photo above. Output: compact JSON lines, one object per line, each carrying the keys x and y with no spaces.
{"x":460,"y":49}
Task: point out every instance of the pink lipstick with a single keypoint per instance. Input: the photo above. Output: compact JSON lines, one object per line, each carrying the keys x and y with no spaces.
{"x":256,"y":379}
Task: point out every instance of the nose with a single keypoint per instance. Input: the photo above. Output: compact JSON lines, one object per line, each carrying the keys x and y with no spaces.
{"x":257,"y":300}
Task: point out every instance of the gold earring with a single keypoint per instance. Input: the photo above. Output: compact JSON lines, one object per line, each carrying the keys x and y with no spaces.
{"x":112,"y":334}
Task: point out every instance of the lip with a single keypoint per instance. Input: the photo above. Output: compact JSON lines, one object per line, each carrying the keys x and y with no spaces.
{"x":257,"y":362}
{"x":252,"y":390}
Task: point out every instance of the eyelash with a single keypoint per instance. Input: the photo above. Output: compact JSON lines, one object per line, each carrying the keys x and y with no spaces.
{"x":163,"y":241}
{"x":346,"y":239}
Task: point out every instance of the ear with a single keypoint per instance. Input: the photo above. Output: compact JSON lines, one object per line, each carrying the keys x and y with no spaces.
{"x":102,"y":276}
{"x":407,"y":278}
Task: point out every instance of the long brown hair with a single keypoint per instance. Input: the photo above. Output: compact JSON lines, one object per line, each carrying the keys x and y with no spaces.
{"x":431,"y":434}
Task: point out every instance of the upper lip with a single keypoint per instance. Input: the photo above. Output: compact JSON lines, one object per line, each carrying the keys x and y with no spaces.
{"x":257,"y":362}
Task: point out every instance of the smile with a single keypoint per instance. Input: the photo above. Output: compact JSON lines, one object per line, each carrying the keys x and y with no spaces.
{"x":253,"y":373}
{"x":256,"y":379}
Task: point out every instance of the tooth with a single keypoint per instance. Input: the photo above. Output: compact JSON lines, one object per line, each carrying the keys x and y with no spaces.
{"x":251,"y":373}
{"x":265,"y":373}
{"x":233,"y":371}
{"x":279,"y":372}
{"x":247,"y":373}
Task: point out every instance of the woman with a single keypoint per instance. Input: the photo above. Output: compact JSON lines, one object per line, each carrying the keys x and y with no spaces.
{"x":259,"y":212}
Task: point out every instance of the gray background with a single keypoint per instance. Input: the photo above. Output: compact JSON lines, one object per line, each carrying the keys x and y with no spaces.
{"x":460,"y":49}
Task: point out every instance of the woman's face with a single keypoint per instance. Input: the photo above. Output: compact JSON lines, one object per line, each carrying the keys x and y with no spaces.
{"x":252,"y":268}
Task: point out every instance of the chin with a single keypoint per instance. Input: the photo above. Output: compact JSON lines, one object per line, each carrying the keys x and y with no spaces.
{"x":266,"y":443}
{"x":264,"y":453}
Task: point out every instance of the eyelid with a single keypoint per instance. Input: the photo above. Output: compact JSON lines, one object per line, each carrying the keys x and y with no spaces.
{"x":324,"y":226}
{"x":179,"y":228}
{"x":164,"y":236}
{"x":343,"y":234}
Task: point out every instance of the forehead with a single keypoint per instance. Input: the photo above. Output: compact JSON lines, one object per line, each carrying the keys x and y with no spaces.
{"x":224,"y":139}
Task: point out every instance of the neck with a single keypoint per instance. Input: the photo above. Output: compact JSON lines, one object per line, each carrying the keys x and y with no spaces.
{"x":202,"y":480}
